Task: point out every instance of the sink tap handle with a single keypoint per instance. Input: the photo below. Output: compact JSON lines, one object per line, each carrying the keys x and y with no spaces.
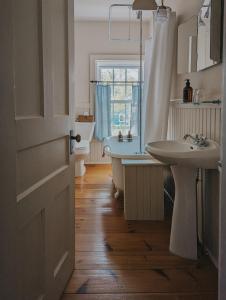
{"x":203,"y":141}
{"x":186,"y":136}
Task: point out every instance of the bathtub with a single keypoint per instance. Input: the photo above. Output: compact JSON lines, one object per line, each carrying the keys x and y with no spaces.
{"x":118,"y":151}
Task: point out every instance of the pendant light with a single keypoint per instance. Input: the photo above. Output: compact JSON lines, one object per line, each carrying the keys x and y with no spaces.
{"x":144,"y":5}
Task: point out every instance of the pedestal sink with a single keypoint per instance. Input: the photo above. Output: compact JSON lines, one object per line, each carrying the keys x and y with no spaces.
{"x":185,"y":158}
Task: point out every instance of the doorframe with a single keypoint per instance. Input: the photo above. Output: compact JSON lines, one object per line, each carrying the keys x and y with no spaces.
{"x":222,"y":207}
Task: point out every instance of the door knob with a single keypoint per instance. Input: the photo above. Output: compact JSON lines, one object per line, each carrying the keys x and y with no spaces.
{"x":72,"y":138}
{"x":76,"y":138}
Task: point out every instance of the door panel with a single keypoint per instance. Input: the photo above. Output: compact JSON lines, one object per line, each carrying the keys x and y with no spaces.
{"x":60,"y":57}
{"x":31,"y":245}
{"x":41,"y":216}
{"x":36,"y":163}
{"x":28,"y":75}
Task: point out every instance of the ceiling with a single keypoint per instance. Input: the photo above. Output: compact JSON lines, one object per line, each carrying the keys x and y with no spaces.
{"x":98,"y":10}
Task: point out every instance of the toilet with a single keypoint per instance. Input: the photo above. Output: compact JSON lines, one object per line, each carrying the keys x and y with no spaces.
{"x":82,"y":149}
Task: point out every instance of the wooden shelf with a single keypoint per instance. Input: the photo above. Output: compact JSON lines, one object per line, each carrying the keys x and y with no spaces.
{"x":179,"y":103}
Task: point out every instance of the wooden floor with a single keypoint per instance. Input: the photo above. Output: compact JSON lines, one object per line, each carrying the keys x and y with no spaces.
{"x":119,"y":260}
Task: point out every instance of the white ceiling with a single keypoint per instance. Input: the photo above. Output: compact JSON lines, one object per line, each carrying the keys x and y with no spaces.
{"x":98,"y":10}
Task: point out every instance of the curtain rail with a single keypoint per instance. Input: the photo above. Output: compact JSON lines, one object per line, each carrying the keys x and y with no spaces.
{"x":116,"y":82}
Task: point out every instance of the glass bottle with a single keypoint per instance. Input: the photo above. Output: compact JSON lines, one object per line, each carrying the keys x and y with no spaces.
{"x":188,"y":92}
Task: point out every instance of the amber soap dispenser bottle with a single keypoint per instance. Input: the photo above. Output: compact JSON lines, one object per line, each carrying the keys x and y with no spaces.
{"x":188,"y":92}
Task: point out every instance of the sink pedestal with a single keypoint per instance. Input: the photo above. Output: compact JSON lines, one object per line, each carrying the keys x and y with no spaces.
{"x":183,"y":239}
{"x":185,"y":159}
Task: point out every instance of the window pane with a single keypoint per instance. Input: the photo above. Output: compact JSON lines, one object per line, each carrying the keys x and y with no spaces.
{"x":121,"y":118}
{"x":118,"y":92}
{"x":132,"y":74}
{"x":119,"y":74}
{"x":129,"y":92}
{"x":124,"y":109}
{"x":106,"y":74}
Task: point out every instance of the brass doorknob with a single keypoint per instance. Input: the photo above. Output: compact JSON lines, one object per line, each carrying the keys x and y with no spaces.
{"x":72,"y":138}
{"x":77,"y":138}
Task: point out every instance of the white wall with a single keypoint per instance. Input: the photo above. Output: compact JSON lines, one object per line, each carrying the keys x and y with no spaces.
{"x":92,"y":38}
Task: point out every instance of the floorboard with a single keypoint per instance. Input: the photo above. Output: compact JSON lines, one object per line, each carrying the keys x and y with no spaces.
{"x":128,"y":260}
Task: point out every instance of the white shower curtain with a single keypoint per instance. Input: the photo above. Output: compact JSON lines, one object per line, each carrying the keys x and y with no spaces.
{"x":159,"y":58}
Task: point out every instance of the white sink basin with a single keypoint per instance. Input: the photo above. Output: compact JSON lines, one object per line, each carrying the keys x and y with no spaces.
{"x":186,"y":154}
{"x":185,"y":159}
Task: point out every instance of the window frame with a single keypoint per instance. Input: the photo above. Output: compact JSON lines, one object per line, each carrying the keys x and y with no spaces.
{"x":126,"y":65}
{"x":124,"y":59}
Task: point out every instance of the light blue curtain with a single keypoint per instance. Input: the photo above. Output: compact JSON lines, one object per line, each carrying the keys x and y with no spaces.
{"x":135,"y":113}
{"x":102,"y":111}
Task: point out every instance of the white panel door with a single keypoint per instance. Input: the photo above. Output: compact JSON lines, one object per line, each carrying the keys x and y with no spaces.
{"x":37,"y":169}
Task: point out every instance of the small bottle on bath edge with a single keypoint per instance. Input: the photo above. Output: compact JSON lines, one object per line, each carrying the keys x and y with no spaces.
{"x":120,"y":136}
{"x":187,"y":92}
{"x":129,"y":137}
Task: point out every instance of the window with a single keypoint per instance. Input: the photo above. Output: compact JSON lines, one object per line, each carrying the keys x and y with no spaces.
{"x":123,"y":78}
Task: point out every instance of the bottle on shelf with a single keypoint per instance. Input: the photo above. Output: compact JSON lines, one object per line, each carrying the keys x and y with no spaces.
{"x":187,"y":92}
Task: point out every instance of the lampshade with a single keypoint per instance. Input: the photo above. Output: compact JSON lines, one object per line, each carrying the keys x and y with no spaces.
{"x":144,"y":5}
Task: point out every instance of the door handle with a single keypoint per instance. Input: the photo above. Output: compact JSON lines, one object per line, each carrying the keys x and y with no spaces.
{"x":76,"y":138}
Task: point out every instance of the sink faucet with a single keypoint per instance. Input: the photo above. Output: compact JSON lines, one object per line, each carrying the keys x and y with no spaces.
{"x":198,"y":140}
{"x":104,"y":148}
{"x":194,"y":138}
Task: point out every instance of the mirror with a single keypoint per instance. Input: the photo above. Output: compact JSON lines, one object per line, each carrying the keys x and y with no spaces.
{"x":200,"y":39}
{"x":187,"y":46}
{"x":209,"y":34}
